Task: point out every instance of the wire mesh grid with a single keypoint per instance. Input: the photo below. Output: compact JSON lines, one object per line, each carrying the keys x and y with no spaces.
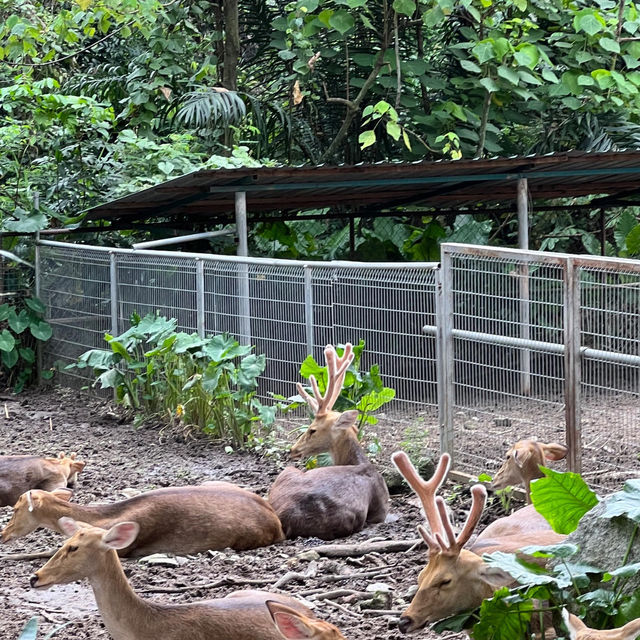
{"x":75,"y":287}
{"x":610,"y":381}
{"x":508,"y":376}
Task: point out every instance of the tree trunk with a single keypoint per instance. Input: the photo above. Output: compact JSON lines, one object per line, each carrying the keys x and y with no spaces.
{"x":231,"y":45}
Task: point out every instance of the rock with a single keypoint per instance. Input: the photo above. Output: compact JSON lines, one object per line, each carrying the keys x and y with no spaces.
{"x":395,"y":482}
{"x":603,"y":543}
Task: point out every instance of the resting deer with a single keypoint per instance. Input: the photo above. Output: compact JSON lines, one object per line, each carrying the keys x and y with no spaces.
{"x":578,"y":630}
{"x":522,"y":464}
{"x":90,"y":553}
{"x":173,"y":520}
{"x":21,"y":473}
{"x":330,"y":502}
{"x":294,"y":625}
{"x":457,"y":579}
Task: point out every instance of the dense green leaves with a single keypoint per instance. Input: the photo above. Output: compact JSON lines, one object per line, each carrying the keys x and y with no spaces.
{"x":625,"y":502}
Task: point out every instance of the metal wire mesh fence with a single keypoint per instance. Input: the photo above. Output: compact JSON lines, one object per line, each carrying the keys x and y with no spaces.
{"x":286,"y":309}
{"x":507,"y":344}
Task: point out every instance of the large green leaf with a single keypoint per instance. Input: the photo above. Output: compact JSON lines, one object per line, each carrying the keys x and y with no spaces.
{"x":7,"y":341}
{"x":342,"y":21}
{"x":10,"y":358}
{"x":30,"y":630}
{"x":18,"y":322}
{"x":41,"y":330}
{"x":249,"y":370}
{"x":625,"y":502}
{"x":525,"y":573}
{"x":28,"y":224}
{"x":35,"y":304}
{"x":501,"y":619}
{"x":406,"y":7}
{"x":562,"y":499}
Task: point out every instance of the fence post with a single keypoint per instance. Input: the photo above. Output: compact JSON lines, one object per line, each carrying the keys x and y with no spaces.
{"x":308,"y":307}
{"x":523,"y":286}
{"x":200,"y":318}
{"x":37,"y":274}
{"x":113,"y":280}
{"x":244,"y":306}
{"x":444,"y":353}
{"x":572,"y":364}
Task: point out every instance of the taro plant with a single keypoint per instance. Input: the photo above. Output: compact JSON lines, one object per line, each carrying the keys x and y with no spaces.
{"x":362,"y":390}
{"x":162,"y":374}
{"x":21,"y":326}
{"x":597,"y":594}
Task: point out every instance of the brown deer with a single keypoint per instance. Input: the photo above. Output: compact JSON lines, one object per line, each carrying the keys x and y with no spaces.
{"x":522,"y":464}
{"x":21,"y":473}
{"x":578,"y":630}
{"x":457,"y":579}
{"x":180,"y":520}
{"x":294,"y":625}
{"x":330,"y":502}
{"x":90,"y":553}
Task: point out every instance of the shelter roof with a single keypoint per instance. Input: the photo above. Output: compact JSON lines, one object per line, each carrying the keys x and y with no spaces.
{"x":208,"y":195}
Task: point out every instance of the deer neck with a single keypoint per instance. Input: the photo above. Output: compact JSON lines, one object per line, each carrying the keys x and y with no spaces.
{"x":347,"y":451}
{"x":125,"y":614}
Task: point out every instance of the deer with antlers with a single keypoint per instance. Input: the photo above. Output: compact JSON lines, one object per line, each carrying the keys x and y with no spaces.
{"x":330,"y":502}
{"x":457,"y":579}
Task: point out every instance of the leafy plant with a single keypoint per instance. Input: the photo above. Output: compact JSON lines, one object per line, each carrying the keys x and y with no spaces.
{"x":362,"y":390}
{"x":30,"y":630}
{"x":21,"y":325}
{"x":204,"y":383}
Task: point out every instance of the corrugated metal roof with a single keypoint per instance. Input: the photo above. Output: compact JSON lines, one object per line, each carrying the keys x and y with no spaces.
{"x":209,"y":194}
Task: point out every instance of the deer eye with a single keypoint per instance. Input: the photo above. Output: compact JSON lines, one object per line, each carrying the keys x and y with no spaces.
{"x":72,"y":549}
{"x":311,"y":431}
{"x":445,"y":582}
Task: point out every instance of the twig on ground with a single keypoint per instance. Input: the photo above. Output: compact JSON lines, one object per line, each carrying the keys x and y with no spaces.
{"x":229,"y":580}
{"x":344,"y":609}
{"x":381,"y":612}
{"x":362,"y":548}
{"x":28,"y":556}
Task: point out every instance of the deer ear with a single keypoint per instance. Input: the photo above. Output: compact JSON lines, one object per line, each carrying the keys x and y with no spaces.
{"x":554,"y":451}
{"x":68,"y":525}
{"x":495,"y":577}
{"x":521,"y":456}
{"x":289,"y":622}
{"x":63,"y":494}
{"x":77,"y":466}
{"x":346,"y":419}
{"x":573,"y":624}
{"x":121,"y":535}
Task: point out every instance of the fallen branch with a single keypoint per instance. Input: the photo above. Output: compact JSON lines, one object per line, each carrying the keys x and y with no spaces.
{"x":362,"y":548}
{"x":229,"y":580}
{"x":381,"y":612}
{"x":28,"y":556}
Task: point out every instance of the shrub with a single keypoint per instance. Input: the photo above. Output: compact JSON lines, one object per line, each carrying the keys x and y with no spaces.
{"x":204,"y":383}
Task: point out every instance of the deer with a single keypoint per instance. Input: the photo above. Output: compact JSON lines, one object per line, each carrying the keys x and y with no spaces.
{"x":294,"y":625}
{"x":21,"y":473}
{"x":578,"y":630}
{"x":522,"y":463}
{"x":457,"y":579}
{"x":91,"y":552}
{"x":336,"y":501}
{"x":178,"y":520}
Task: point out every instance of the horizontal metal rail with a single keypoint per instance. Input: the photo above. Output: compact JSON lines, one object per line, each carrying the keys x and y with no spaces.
{"x":269,"y":262}
{"x":537,"y":345}
{"x":187,"y":238}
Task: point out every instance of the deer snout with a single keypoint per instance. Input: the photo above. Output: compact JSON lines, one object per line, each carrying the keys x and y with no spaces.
{"x":33,"y":581}
{"x":406,"y":624}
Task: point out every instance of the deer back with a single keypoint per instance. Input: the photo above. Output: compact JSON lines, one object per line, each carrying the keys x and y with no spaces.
{"x":21,"y":473}
{"x":173,"y":520}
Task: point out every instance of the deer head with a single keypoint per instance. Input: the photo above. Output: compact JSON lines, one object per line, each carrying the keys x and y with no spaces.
{"x":578,"y":630}
{"x":79,"y":556}
{"x":455,"y":579}
{"x":294,"y":625}
{"x":29,"y":512}
{"x":70,"y":466}
{"x":330,"y":429}
{"x":522,"y":463}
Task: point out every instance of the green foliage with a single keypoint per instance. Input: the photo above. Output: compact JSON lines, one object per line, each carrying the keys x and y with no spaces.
{"x":362,"y":390}
{"x":21,"y":326}
{"x":179,"y":378}
{"x":562,"y":499}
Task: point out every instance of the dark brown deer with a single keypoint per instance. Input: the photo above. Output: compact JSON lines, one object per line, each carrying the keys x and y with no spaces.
{"x":330,"y":502}
{"x":90,"y":553}
{"x":21,"y":473}
{"x":522,"y":463}
{"x":180,"y":520}
{"x":457,"y":579}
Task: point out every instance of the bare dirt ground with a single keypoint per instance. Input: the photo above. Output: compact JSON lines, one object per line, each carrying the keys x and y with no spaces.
{"x":120,"y":457}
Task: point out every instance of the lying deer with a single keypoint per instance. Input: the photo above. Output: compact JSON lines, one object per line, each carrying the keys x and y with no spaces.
{"x":294,"y":625}
{"x":90,"y":553}
{"x":578,"y":630}
{"x":180,"y":520}
{"x":522,"y":464}
{"x":21,"y":473}
{"x":336,"y":501}
{"x":457,"y":579}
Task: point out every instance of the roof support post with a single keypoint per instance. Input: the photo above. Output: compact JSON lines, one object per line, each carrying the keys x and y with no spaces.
{"x":523,"y":285}
{"x":244,"y":306}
